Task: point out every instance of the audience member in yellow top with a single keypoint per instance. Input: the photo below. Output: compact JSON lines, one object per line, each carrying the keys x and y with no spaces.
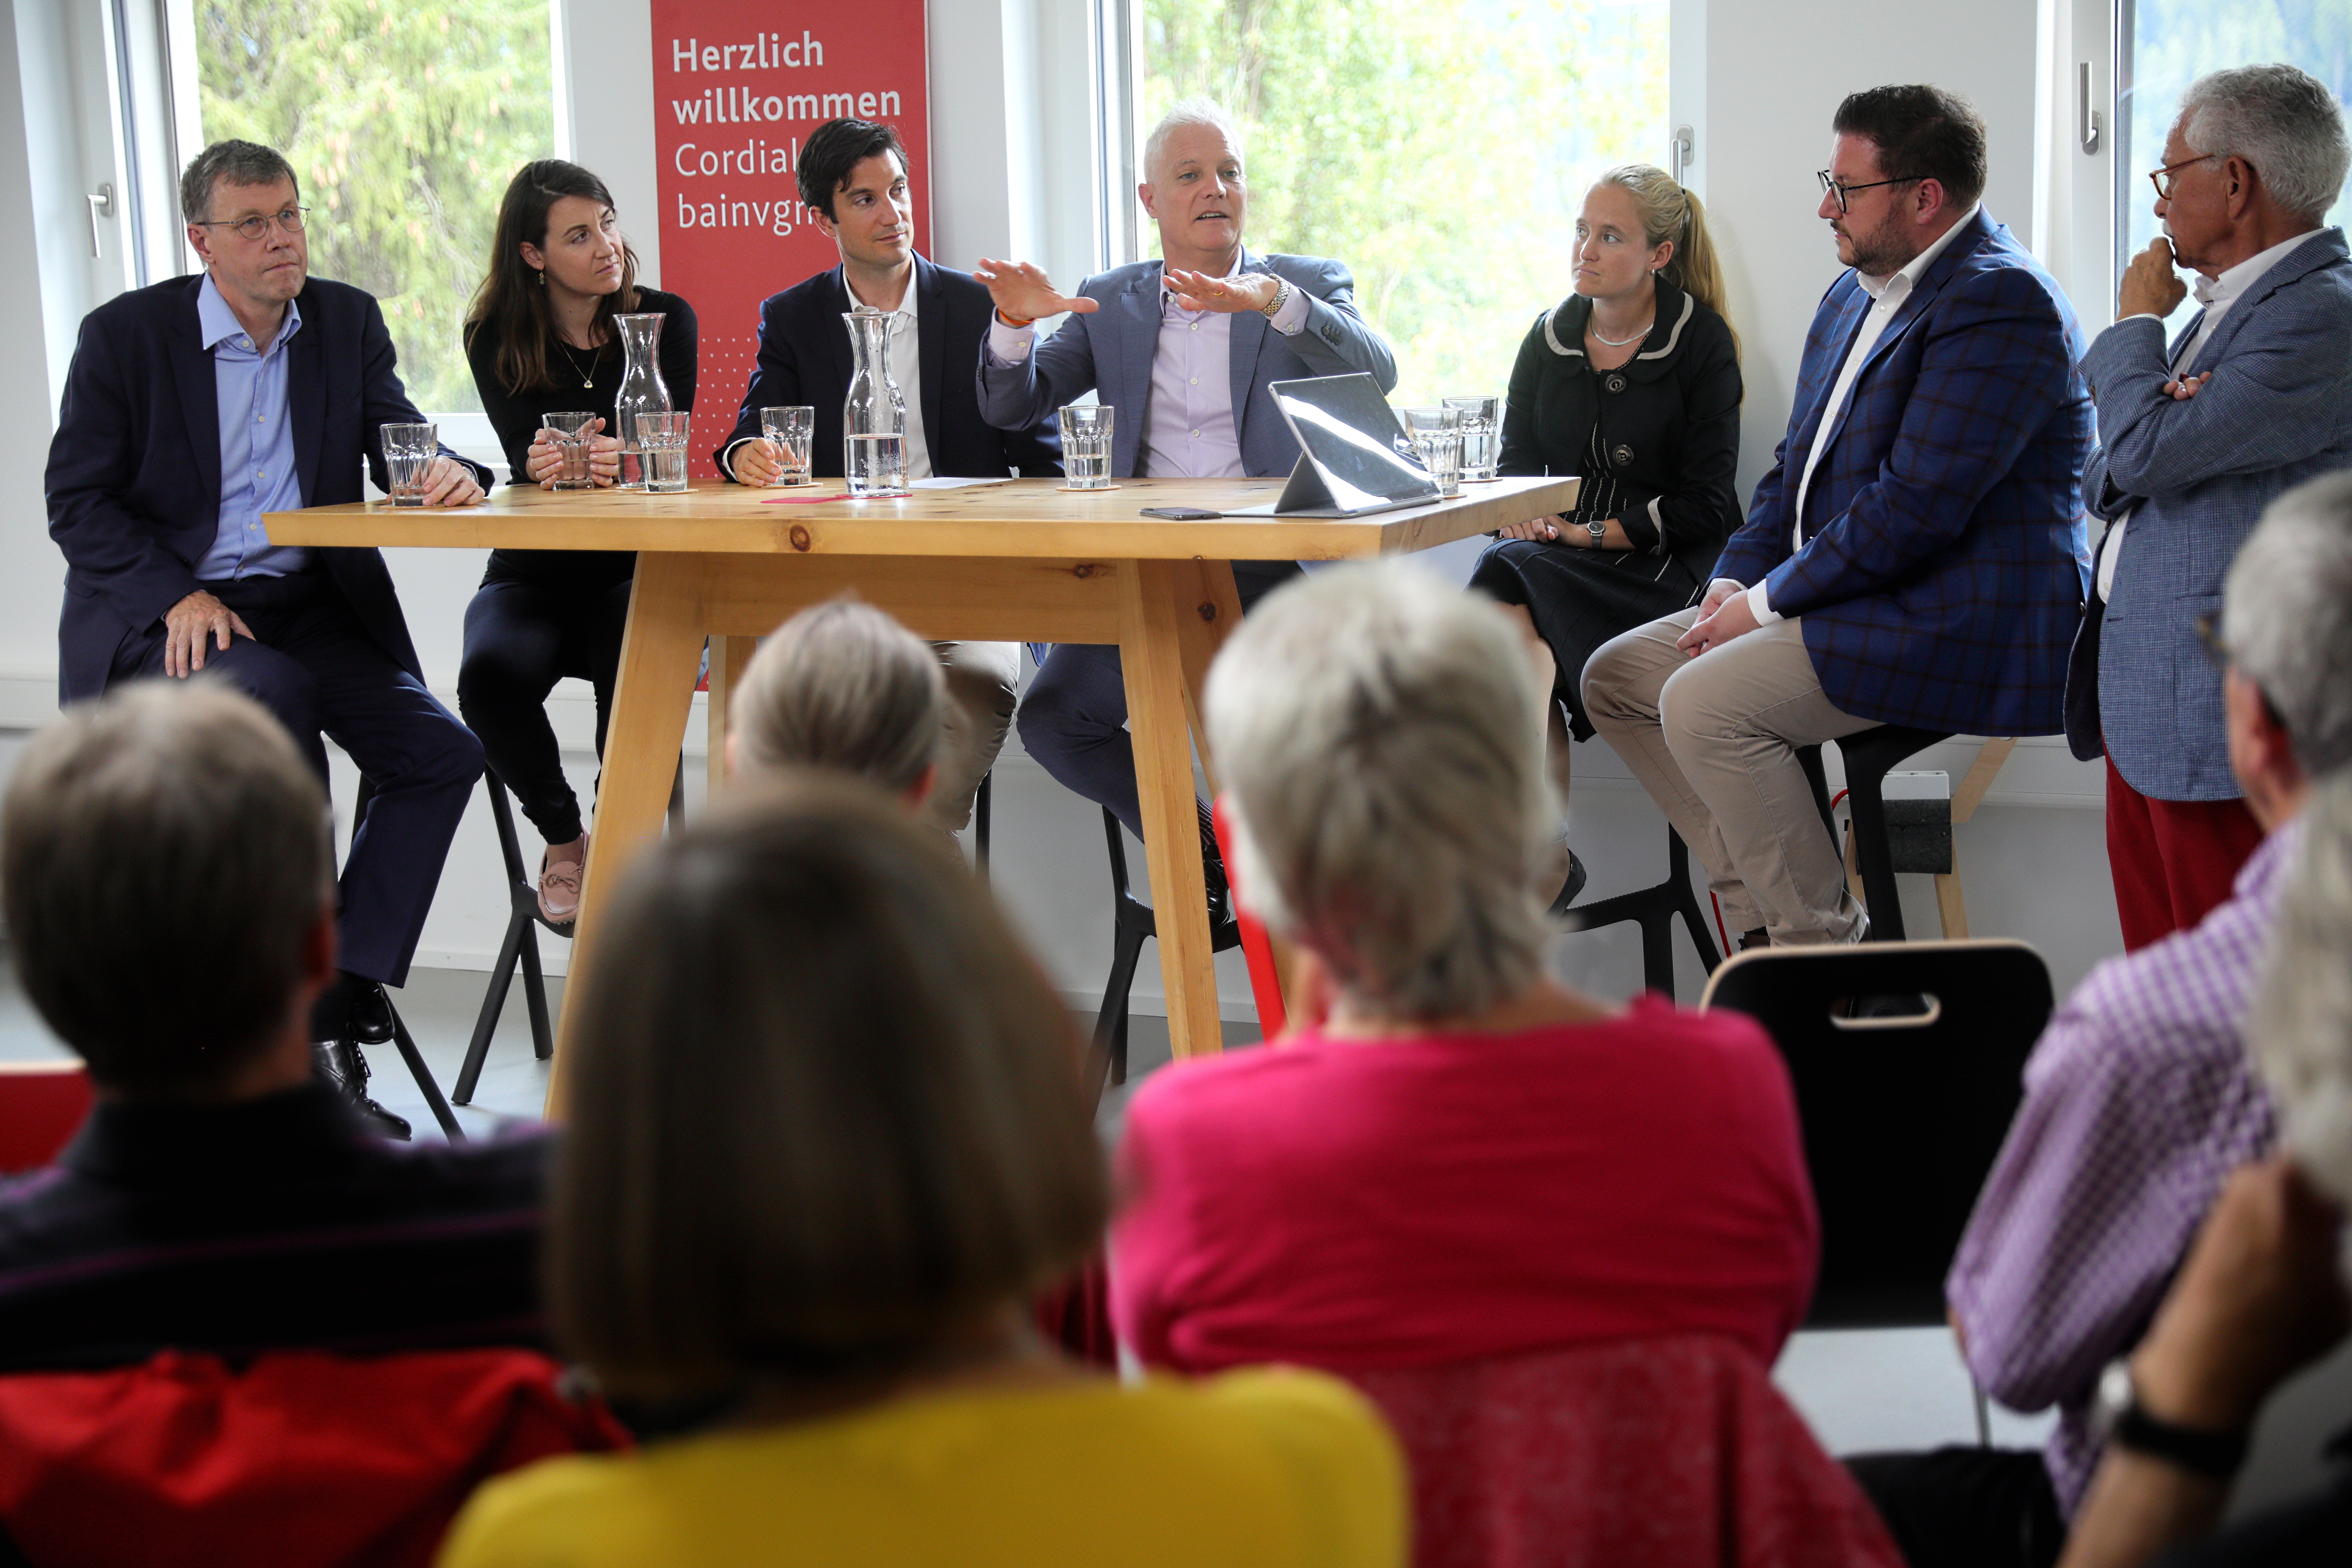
{"x":828,"y":1140}
{"x":1267,"y":1467}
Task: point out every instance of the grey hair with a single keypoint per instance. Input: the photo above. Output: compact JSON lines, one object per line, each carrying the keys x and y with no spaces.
{"x":2287,"y":618}
{"x":2301,"y":1023}
{"x":842,"y":685}
{"x":1381,"y":737}
{"x":239,"y":163}
{"x":1190,"y":111}
{"x":2281,"y":119}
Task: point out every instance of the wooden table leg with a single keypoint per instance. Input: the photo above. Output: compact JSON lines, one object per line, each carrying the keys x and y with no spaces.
{"x":1152,"y":595}
{"x":659,"y":655}
{"x":728,"y":658}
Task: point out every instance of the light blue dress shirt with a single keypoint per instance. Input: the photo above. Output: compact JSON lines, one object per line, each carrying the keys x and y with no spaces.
{"x":256,"y":443}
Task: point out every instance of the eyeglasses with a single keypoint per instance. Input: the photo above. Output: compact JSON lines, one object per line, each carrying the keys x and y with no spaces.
{"x":1844,"y":193}
{"x":254,"y":228}
{"x":2162,"y":178}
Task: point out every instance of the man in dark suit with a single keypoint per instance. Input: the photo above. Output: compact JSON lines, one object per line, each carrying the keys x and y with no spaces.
{"x":1914,"y":556}
{"x":852,"y":179}
{"x":1186,"y":348}
{"x":192,"y":408}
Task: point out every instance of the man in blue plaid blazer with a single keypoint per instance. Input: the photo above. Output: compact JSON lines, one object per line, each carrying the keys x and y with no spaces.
{"x":1917,"y":553}
{"x":2253,"y":397}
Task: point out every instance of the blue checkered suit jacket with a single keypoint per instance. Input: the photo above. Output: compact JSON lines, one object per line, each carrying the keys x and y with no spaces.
{"x":1944,"y":563}
{"x":2195,"y":477}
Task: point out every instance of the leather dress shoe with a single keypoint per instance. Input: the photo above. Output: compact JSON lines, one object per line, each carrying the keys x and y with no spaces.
{"x":1570,"y":888}
{"x":342,"y":1064}
{"x":371,"y":1015}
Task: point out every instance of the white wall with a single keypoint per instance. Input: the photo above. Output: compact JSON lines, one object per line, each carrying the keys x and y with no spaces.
{"x":1757,"y":78}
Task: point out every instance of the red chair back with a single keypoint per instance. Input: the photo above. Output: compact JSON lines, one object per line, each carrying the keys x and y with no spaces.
{"x":1670,"y":1453}
{"x":301,"y":1459}
{"x":41,"y":1104}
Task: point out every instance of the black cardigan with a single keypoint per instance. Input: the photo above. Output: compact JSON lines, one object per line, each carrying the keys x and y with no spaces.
{"x":516,"y":416}
{"x":1669,"y":421}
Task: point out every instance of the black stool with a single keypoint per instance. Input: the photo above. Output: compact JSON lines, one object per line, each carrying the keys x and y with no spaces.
{"x":1655,"y":908}
{"x":1869,"y":755}
{"x":1131,"y":922}
{"x":521,"y":944}
{"x":400,"y":1035}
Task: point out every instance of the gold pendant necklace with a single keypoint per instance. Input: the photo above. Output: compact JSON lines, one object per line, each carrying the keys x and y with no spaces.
{"x":588,"y":376}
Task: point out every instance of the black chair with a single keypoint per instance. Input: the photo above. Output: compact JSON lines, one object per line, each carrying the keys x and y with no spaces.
{"x":520,"y":945}
{"x":400,"y":1035}
{"x":1903,"y":1115}
{"x":1655,"y":908}
{"x":1131,"y":923}
{"x":1869,"y":755}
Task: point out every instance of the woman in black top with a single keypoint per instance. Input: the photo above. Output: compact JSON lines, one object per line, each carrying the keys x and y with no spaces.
{"x":1631,"y":382}
{"x":539,"y":338}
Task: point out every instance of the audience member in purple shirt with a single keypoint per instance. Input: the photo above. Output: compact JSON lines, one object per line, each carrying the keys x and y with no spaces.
{"x":2141,"y":1097}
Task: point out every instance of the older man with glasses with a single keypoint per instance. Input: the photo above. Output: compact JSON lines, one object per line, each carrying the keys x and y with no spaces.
{"x":2254,"y":396}
{"x":1914,"y":556}
{"x":191,"y":409}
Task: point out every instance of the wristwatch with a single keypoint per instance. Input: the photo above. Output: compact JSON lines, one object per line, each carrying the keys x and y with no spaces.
{"x":1600,"y":532}
{"x":2118,"y":1417}
{"x":1273,"y":307}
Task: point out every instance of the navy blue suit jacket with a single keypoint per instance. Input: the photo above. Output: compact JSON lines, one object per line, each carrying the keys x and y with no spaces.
{"x":1110,"y":351}
{"x":1945,"y":562}
{"x":134,"y":479}
{"x":804,"y":358}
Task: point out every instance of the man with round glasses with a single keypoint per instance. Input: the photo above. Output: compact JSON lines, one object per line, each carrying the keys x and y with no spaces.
{"x":192,"y":408}
{"x":2250,"y":398}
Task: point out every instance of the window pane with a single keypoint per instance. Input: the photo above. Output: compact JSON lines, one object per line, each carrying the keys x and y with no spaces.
{"x":1438,"y":148}
{"x":404,"y":123}
{"x":2162,"y":46}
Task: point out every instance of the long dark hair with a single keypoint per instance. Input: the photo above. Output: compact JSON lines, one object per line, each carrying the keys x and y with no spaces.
{"x":512,"y":300}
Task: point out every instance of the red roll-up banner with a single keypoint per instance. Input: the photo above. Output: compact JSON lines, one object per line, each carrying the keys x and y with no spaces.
{"x":738,"y":86}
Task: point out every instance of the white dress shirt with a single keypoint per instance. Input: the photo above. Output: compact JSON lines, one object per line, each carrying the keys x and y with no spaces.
{"x":1887,"y":295}
{"x":2216,"y":295}
{"x":1191,"y":430}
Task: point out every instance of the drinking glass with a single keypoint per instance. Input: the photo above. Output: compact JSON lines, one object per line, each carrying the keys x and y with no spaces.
{"x":1440,"y":454}
{"x":408,"y":454}
{"x":571,"y":434}
{"x":662,"y":439}
{"x":792,"y":431}
{"x":1086,"y":446}
{"x":1482,"y":436}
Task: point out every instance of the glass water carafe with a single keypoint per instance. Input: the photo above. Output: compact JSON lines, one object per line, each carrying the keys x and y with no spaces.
{"x":643,"y":391}
{"x":874,"y":417}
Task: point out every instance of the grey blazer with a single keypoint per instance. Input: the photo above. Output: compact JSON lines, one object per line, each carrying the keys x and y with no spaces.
{"x":1110,"y":351}
{"x":2195,"y":477}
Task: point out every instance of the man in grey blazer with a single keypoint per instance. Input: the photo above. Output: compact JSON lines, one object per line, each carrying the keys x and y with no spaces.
{"x":1185,"y":350}
{"x":2253,"y":397}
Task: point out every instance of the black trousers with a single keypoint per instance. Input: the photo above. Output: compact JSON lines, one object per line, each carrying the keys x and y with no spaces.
{"x":523,"y":635}
{"x":318,"y":672}
{"x":1966,"y":1507}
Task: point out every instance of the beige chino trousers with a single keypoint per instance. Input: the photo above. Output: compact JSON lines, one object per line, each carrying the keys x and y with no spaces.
{"x":1714,"y":740}
{"x":983,"y":687}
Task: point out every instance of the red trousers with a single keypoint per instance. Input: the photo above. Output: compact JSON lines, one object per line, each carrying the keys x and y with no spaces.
{"x":2172,"y":860}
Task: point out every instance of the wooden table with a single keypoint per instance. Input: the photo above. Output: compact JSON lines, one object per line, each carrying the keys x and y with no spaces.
{"x":1020,"y":560}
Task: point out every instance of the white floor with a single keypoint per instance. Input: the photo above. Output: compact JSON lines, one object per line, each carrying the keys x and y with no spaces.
{"x":1861,"y":1390}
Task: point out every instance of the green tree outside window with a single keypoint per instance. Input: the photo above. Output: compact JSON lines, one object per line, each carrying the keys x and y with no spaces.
{"x":1440,"y":148}
{"x":404,"y":123}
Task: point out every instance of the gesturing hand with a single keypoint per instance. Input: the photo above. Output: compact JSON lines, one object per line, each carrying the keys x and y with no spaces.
{"x":1023,"y":293}
{"x":191,"y":623}
{"x":2150,"y":286}
{"x":1199,"y":291}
